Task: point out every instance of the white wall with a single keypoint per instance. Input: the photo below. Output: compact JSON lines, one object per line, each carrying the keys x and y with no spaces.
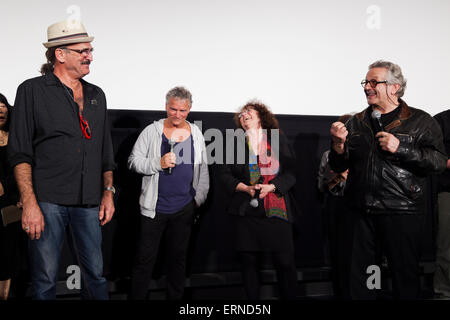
{"x":299,"y":57}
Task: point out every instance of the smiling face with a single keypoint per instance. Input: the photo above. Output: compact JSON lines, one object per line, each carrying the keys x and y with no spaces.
{"x":249,"y":119}
{"x":74,"y":62}
{"x":376,"y":95}
{"x":383,"y":94}
{"x":3,"y":115}
{"x":177,"y":111}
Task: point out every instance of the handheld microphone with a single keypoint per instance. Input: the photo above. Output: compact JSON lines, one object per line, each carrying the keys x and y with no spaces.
{"x":171,"y":143}
{"x":254,"y":202}
{"x":377,"y":115}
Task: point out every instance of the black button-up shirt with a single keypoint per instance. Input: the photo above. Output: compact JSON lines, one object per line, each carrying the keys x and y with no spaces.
{"x":45,"y":132}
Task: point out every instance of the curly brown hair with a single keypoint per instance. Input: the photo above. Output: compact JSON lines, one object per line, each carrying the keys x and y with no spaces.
{"x":267,"y":118}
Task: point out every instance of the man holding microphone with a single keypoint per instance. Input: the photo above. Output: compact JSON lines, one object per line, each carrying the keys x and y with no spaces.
{"x":172,"y":188}
{"x":389,"y":149}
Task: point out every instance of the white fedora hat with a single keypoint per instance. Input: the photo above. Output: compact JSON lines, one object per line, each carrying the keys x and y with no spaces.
{"x":66,"y":32}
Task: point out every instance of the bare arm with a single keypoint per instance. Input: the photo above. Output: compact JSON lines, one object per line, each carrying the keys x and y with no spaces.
{"x":107,"y":205}
{"x":32,"y":218}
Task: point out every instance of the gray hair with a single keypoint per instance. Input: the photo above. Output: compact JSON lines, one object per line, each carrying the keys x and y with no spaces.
{"x":394,"y":75}
{"x":179,"y":93}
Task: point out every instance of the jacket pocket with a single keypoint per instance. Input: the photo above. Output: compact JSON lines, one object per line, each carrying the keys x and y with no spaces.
{"x":147,"y":199}
{"x":404,"y":138}
{"x":400,"y":182}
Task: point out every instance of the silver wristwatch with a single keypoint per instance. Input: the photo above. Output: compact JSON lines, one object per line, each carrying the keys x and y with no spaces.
{"x":112,"y":189}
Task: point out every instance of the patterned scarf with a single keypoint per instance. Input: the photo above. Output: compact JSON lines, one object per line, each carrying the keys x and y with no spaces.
{"x":267,"y":167}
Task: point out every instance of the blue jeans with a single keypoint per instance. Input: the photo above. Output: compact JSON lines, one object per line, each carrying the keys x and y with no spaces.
{"x":87,"y":240}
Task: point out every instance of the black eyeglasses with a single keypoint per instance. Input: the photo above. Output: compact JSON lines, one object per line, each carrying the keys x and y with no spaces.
{"x":84,"y":52}
{"x":373,"y":83}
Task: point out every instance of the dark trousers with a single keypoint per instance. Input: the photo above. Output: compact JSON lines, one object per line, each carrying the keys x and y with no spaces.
{"x":178,"y":230}
{"x":286,"y":274}
{"x":337,"y":225}
{"x":398,"y":237}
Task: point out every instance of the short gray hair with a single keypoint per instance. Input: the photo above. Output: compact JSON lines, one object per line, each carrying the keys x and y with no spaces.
{"x":394,"y":75}
{"x":179,"y":93}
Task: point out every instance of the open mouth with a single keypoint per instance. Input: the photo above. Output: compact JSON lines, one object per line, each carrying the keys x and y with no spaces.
{"x":370,"y":93}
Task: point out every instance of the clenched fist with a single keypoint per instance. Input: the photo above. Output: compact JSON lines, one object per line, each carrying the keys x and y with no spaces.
{"x":339,"y":134}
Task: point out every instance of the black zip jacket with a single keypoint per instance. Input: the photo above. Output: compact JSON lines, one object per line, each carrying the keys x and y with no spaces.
{"x":380,"y":182}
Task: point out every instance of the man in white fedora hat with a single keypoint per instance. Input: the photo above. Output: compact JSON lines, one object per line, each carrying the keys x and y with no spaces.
{"x":61,"y":151}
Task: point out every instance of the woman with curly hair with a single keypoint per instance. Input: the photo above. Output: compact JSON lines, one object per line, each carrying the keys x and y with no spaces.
{"x":261,"y":206}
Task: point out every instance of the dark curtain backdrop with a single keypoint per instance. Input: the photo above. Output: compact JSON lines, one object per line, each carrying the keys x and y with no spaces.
{"x":211,"y":249}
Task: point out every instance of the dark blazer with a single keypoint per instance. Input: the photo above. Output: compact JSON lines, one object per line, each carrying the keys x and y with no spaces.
{"x":232,"y":174}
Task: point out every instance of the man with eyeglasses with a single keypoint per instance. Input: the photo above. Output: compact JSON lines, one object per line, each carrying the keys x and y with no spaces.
{"x":61,"y":150}
{"x":389,"y":149}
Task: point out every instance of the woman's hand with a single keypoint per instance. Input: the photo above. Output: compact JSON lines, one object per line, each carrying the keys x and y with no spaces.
{"x":265,"y":189}
{"x":242,"y":187}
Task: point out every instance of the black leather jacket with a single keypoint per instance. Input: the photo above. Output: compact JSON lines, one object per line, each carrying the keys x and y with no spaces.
{"x":380,"y":182}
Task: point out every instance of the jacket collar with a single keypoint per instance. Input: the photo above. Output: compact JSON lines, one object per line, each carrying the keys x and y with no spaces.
{"x":405,"y":113}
